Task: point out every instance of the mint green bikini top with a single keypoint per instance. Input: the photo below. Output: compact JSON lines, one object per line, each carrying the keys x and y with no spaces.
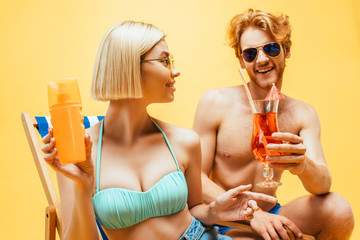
{"x":117,"y":208}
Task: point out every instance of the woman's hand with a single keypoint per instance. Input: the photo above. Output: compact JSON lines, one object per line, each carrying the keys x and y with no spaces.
{"x":238,"y":204}
{"x":81,"y":173}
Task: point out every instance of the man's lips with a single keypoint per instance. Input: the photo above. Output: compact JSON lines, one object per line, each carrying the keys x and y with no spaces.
{"x":264,"y":70}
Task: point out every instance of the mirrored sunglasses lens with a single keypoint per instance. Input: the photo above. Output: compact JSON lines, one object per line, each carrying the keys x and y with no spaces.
{"x":250,"y":54}
{"x":272,"y":49}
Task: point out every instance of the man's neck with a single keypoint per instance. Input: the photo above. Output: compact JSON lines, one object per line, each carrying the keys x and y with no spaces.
{"x":260,"y":93}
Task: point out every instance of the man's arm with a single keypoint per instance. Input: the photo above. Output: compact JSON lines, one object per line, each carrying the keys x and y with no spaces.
{"x":315,"y":176}
{"x":206,"y":123}
{"x":208,"y":118}
{"x":307,"y":159}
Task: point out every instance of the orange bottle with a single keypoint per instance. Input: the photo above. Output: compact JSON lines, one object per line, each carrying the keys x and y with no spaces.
{"x":67,"y":120}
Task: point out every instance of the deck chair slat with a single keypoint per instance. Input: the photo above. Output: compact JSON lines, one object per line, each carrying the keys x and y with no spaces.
{"x":29,"y":124}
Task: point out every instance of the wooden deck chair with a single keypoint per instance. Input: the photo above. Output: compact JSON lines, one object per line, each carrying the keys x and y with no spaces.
{"x":32,"y":125}
{"x":52,"y":212}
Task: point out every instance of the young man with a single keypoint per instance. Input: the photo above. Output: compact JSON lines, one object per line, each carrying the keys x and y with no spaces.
{"x":224,"y":122}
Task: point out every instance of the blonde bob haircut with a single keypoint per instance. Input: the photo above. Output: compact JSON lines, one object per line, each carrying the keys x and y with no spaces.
{"x":278,"y":27}
{"x":117,"y":72}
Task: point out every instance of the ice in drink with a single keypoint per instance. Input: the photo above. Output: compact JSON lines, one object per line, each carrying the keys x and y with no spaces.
{"x":264,"y":125}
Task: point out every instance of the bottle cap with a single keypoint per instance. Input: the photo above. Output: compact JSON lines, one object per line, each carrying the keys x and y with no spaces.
{"x":63,"y":91}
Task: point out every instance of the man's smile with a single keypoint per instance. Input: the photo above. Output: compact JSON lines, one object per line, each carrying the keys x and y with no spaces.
{"x":264,"y":70}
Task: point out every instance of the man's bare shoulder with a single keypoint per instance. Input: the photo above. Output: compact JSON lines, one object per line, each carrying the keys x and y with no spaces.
{"x":214,"y":105}
{"x":299,"y":106}
{"x":221,"y":96}
{"x":298,"y":109}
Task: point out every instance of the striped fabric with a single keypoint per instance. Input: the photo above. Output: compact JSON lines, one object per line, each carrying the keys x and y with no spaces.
{"x":45,"y":122}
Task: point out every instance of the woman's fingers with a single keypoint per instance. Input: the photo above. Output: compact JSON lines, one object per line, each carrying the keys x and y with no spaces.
{"x":243,"y":189}
{"x":253,"y":205}
{"x":51,"y":155}
{"x":49,"y":146}
{"x":88,"y":145}
{"x":47,"y":137}
{"x":249,"y":213}
{"x":240,"y":189}
{"x":261,"y":197}
{"x":250,"y":209}
{"x":49,"y":143}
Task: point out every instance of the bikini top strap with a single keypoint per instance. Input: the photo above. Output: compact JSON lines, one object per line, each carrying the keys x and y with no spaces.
{"x":167,"y":143}
{"x":100,"y":145}
{"x":99,"y":156}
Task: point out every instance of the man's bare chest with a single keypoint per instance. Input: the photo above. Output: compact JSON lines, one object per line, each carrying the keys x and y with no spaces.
{"x":234,"y":135}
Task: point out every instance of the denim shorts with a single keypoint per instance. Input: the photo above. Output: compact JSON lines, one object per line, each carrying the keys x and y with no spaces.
{"x":224,"y":229}
{"x":196,"y":231}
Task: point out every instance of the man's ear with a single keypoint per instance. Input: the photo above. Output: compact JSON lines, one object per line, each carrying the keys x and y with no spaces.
{"x":242,"y":64}
{"x":287,"y":53}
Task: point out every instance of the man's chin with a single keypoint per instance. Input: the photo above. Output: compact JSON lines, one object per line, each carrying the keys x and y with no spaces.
{"x":265,"y":84}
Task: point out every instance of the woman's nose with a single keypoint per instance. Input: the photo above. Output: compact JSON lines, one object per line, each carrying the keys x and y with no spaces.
{"x":175,"y":72}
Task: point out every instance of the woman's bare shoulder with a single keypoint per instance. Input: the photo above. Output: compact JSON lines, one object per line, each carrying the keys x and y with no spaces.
{"x":93,"y":131}
{"x":178,"y":135}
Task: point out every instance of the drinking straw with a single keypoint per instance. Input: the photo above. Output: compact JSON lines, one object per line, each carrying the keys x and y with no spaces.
{"x":252,"y":105}
{"x":247,"y":92}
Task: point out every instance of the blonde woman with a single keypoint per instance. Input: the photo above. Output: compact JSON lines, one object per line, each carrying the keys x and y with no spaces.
{"x":141,"y":179}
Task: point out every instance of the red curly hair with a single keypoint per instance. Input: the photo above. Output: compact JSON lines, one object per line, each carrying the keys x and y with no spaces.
{"x":278,"y":27}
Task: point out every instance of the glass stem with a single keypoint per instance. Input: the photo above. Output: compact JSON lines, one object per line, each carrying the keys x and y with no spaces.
{"x":268,"y":173}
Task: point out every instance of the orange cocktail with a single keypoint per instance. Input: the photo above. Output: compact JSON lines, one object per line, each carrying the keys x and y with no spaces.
{"x":264,"y":124}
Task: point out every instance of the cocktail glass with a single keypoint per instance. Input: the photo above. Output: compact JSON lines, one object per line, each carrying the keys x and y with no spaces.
{"x":264,"y":124}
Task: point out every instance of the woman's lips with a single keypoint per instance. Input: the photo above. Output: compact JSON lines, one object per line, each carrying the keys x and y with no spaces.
{"x":171,"y":86}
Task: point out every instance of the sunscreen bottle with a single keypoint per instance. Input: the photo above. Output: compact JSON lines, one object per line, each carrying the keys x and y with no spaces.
{"x":67,"y":120}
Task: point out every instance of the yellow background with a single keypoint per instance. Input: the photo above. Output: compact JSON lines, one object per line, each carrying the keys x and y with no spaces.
{"x":41,"y":41}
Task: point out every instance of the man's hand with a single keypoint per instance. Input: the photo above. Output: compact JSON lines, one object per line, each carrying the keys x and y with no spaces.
{"x":294,"y":158}
{"x":272,"y":227}
{"x":238,"y":204}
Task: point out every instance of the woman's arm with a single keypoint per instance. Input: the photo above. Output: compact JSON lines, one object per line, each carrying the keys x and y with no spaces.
{"x":235,"y":204}
{"x":75,"y":185}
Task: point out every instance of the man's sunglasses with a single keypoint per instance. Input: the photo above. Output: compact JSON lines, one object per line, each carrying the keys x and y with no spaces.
{"x":270,"y":49}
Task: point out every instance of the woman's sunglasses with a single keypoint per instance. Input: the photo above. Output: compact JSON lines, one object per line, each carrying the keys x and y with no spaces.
{"x":168,"y":62}
{"x":270,"y":49}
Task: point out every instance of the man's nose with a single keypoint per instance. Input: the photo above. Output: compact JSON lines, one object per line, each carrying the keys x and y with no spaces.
{"x":262,"y":57}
